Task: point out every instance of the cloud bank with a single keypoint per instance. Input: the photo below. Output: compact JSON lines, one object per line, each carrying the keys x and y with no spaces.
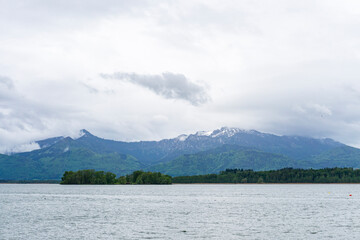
{"x":168,"y":85}
{"x":289,"y":67}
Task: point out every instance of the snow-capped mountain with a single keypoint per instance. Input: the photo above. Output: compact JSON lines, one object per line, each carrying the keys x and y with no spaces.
{"x":222,"y":132}
{"x":150,"y":152}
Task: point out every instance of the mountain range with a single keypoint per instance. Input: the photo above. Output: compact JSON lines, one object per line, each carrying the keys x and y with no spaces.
{"x":199,"y":153}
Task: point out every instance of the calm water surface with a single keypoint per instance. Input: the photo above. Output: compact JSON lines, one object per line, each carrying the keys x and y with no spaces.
{"x":290,"y":211}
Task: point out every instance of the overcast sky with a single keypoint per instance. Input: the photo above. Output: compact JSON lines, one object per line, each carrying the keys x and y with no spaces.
{"x":147,"y":70}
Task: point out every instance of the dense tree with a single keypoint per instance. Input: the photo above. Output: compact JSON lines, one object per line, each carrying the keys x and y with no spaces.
{"x":91,"y":176}
{"x":285,"y":175}
{"x":141,"y":177}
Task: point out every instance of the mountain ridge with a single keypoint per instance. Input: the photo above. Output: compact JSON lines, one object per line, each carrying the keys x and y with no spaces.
{"x":163,"y":150}
{"x":89,"y":151}
{"x":227,"y":131}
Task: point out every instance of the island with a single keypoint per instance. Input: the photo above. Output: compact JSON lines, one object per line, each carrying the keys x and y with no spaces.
{"x":90,"y":176}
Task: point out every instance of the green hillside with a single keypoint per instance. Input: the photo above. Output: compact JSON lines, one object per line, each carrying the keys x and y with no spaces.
{"x":338,"y":157}
{"x":225,"y":157}
{"x":52,"y":162}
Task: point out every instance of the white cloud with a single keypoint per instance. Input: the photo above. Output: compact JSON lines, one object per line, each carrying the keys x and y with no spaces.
{"x":27,"y":147}
{"x":168,"y":85}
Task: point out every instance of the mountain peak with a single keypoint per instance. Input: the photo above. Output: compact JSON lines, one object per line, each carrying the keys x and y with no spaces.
{"x":85,"y":133}
{"x":222,"y":132}
{"x":225,"y":131}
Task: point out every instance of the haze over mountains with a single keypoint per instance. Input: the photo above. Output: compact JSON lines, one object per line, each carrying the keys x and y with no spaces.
{"x":199,"y":153}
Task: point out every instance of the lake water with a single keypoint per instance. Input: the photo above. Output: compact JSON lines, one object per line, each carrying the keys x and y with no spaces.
{"x":268,"y":211}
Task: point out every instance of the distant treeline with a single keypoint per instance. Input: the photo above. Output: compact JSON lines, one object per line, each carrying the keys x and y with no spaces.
{"x":30,"y":181}
{"x":91,"y":176}
{"x":285,"y":175}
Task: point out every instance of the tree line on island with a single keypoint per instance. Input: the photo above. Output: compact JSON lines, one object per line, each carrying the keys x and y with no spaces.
{"x":285,"y":175}
{"x":90,"y":176}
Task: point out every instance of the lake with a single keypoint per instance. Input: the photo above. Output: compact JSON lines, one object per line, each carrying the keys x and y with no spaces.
{"x":219,"y":211}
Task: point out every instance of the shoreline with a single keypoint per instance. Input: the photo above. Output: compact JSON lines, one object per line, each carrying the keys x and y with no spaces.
{"x":255,"y":183}
{"x":178,"y":184}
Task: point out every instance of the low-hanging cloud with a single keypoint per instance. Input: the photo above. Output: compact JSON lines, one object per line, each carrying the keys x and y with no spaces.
{"x":168,"y":85}
{"x":6,"y":82}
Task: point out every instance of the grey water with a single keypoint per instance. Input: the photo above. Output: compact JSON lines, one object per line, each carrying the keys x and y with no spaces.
{"x":253,"y":211}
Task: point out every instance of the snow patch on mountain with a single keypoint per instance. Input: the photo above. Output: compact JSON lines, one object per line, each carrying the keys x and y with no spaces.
{"x":225,"y":131}
{"x":203,"y":133}
{"x":182,"y":137}
{"x":222,"y":132}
